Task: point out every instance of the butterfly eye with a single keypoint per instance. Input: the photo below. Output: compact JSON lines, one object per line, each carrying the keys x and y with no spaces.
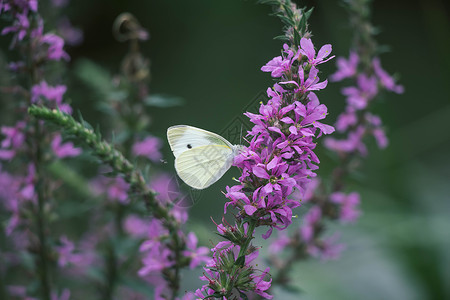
{"x":189,"y":146}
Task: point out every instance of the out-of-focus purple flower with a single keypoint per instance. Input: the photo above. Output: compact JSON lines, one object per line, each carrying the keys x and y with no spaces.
{"x":277,"y":245}
{"x":386,"y":80}
{"x":156,"y":259}
{"x":21,"y":26}
{"x":54,"y":94}
{"x":353,"y":143}
{"x":346,"y":119}
{"x":197,"y":255}
{"x":116,"y":188}
{"x":65,"y":295}
{"x":14,"y":137}
{"x":136,"y":226}
{"x":66,"y":253}
{"x":55,"y":47}
{"x":346,"y":68}
{"x":310,"y":220}
{"x":155,"y":231}
{"x":359,"y":97}
{"x":328,"y":249}
{"x":72,"y":35}
{"x":64,"y":150}
{"x":348,"y":206}
{"x":150,"y":148}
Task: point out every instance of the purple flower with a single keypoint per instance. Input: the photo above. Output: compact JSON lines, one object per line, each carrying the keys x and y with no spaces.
{"x":136,"y":226}
{"x":307,"y":49}
{"x":54,"y":94}
{"x":310,"y":84}
{"x":55,"y":45}
{"x":197,"y":255}
{"x":64,"y":150}
{"x":14,"y":138}
{"x":280,"y":65}
{"x":277,"y":245}
{"x":115,"y":188}
{"x":346,"y":119}
{"x":21,"y":26}
{"x":358,"y":97}
{"x":261,"y":286}
{"x":312,"y":218}
{"x":156,"y":259}
{"x":328,"y":249}
{"x":348,"y":204}
{"x":150,"y":148}
{"x":353,"y":142}
{"x":386,"y":80}
{"x":67,"y":255}
{"x":72,"y":36}
{"x":346,"y":68}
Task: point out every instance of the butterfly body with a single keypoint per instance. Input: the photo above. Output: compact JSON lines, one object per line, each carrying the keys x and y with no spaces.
{"x":201,"y":157}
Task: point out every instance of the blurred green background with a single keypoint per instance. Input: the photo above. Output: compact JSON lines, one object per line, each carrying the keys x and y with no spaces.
{"x":210,"y":52}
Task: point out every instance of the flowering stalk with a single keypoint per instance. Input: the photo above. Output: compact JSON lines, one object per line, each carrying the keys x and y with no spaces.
{"x":277,"y":165}
{"x":29,"y":198}
{"x":357,"y":124}
{"x":184,"y":248}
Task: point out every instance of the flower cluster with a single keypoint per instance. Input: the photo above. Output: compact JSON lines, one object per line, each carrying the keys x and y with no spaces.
{"x":280,"y":157}
{"x":276,"y":167}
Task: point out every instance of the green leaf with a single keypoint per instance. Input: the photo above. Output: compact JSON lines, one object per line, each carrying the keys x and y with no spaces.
{"x":159,"y":100}
{"x":240,"y":261}
{"x":297,"y":37}
{"x":281,"y":38}
{"x":95,"y":77}
{"x":308,"y":13}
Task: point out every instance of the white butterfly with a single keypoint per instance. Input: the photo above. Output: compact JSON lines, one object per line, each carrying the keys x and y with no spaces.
{"x":201,"y":157}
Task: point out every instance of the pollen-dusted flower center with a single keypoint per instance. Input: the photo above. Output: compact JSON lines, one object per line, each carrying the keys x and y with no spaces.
{"x":273,"y":179}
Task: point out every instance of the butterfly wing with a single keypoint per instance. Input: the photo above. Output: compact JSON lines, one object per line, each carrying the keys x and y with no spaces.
{"x":201,"y":166}
{"x":183,"y":138}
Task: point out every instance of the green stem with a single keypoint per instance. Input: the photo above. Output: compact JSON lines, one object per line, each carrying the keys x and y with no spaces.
{"x":250,"y":232}
{"x":40,"y":219}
